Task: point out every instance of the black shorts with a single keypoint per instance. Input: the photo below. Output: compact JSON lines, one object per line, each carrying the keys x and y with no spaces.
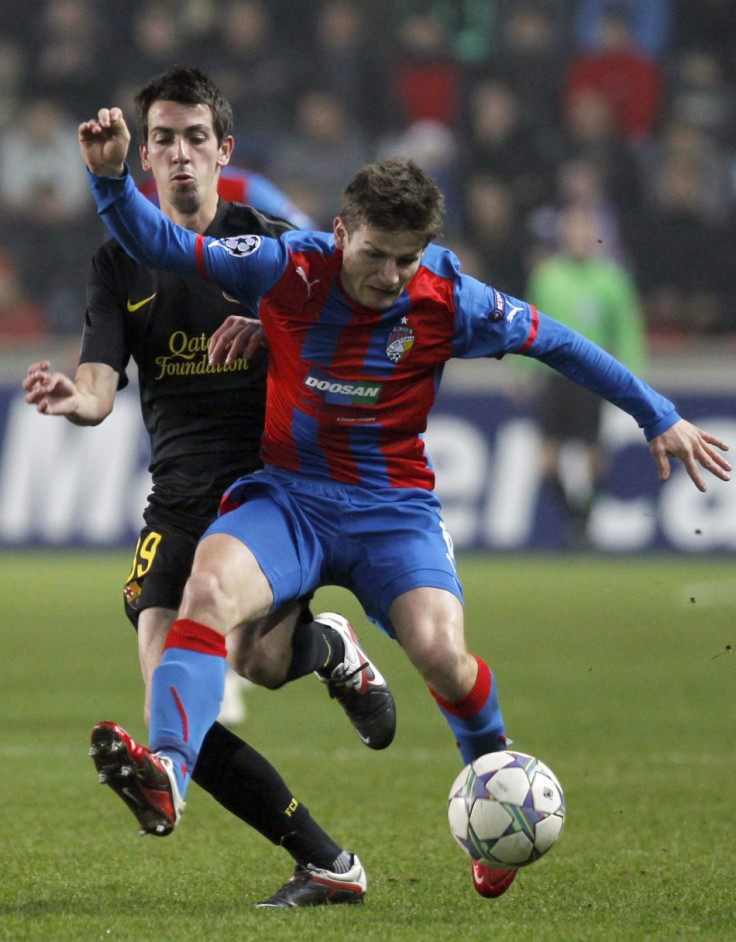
{"x":568,"y":412}
{"x":161,"y":565}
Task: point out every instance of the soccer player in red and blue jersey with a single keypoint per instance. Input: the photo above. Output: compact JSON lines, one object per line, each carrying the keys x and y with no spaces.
{"x":360,"y":323}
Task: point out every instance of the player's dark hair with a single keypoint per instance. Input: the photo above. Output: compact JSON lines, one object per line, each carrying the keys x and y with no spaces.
{"x":393,"y":195}
{"x":187,"y":87}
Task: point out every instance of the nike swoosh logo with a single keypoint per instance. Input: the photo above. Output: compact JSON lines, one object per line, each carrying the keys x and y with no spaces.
{"x":134,"y":307}
{"x":131,"y":794}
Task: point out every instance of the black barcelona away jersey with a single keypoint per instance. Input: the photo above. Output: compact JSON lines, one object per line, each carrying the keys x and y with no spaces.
{"x":204,"y":422}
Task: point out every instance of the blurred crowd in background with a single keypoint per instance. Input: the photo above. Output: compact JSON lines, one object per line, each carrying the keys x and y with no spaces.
{"x":518,"y":108}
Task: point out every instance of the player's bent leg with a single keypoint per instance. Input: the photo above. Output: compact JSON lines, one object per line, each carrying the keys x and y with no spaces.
{"x":429,"y":625}
{"x":245,"y":783}
{"x":289,"y":644}
{"x":226,"y":586}
{"x":261,"y":650}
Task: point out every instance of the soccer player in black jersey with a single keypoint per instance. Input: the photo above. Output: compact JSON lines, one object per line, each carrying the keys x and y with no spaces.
{"x":204,"y":424}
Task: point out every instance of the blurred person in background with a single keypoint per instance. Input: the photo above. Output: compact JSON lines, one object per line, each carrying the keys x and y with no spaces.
{"x":68,"y":52}
{"x":626,"y":77}
{"x":346,"y":57}
{"x":205,"y":427}
{"x":500,"y":139}
{"x":13,"y":66}
{"x":492,"y":224}
{"x":155,"y":33}
{"x":687,"y":143}
{"x":434,"y":147}
{"x":319,"y":154}
{"x":707,"y":24}
{"x":426,"y":79}
{"x":588,"y":130}
{"x":702,"y":95}
{"x":471,"y":28}
{"x":684,"y":259}
{"x":649,"y":23}
{"x":21,"y":321}
{"x":534,"y":46}
{"x":251,"y":59}
{"x":595,"y":296}
{"x":578,"y":181}
{"x":42,"y":194}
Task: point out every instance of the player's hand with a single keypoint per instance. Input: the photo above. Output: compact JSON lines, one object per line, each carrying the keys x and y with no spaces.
{"x":50,"y":393}
{"x":695,"y":448}
{"x":236,"y":337}
{"x":104,"y":142}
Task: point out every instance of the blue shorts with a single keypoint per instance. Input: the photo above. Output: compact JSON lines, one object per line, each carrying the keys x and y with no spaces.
{"x":307,"y":532}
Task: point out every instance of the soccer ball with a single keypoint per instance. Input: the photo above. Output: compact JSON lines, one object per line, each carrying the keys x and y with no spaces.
{"x":506,"y":809}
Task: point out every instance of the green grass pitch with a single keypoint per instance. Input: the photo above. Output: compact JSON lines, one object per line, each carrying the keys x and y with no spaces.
{"x":617,"y":673}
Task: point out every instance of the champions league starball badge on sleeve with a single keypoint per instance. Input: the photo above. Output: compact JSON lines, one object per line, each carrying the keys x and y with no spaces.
{"x":240,"y":245}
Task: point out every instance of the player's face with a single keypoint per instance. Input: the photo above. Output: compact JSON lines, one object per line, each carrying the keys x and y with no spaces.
{"x":376,"y":264}
{"x":183,"y":154}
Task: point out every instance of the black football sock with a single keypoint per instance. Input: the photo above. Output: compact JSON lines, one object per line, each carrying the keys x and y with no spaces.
{"x":246,"y":784}
{"x":315,"y":647}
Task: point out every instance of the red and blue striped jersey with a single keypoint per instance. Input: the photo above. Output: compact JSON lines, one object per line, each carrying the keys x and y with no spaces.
{"x":350,"y":388}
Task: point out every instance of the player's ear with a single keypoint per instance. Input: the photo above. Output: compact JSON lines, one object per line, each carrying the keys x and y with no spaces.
{"x":340,"y":233}
{"x":145,"y":162}
{"x":225,"y":151}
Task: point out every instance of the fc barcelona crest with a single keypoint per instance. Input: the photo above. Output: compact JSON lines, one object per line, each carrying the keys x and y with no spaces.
{"x":400,"y":342}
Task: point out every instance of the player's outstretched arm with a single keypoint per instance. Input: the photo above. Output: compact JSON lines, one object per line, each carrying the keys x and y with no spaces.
{"x":236,"y":337}
{"x":85,"y":400}
{"x":695,"y":448}
{"x":104,"y":142}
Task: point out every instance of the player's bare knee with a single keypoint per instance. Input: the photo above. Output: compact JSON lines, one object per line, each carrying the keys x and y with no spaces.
{"x":438,"y":649}
{"x":204,"y":599}
{"x":449,"y":670}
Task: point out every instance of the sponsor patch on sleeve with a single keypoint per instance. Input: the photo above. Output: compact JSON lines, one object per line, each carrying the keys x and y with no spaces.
{"x":498,"y":306}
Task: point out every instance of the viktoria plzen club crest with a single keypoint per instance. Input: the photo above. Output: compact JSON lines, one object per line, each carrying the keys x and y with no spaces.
{"x":400,"y":341}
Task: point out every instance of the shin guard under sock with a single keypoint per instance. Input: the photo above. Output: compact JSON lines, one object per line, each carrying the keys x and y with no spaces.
{"x":476,"y":720}
{"x":186,"y":694}
{"x":246,"y":784}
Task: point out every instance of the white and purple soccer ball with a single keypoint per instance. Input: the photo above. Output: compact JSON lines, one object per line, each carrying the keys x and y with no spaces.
{"x":506,"y":809}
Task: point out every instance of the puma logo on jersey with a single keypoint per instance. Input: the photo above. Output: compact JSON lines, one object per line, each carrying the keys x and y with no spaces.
{"x":138,"y":304}
{"x":512,"y":312}
{"x":303,"y":275}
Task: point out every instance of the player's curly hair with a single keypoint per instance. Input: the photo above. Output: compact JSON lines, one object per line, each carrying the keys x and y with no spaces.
{"x":393,"y":195}
{"x":187,"y":86}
